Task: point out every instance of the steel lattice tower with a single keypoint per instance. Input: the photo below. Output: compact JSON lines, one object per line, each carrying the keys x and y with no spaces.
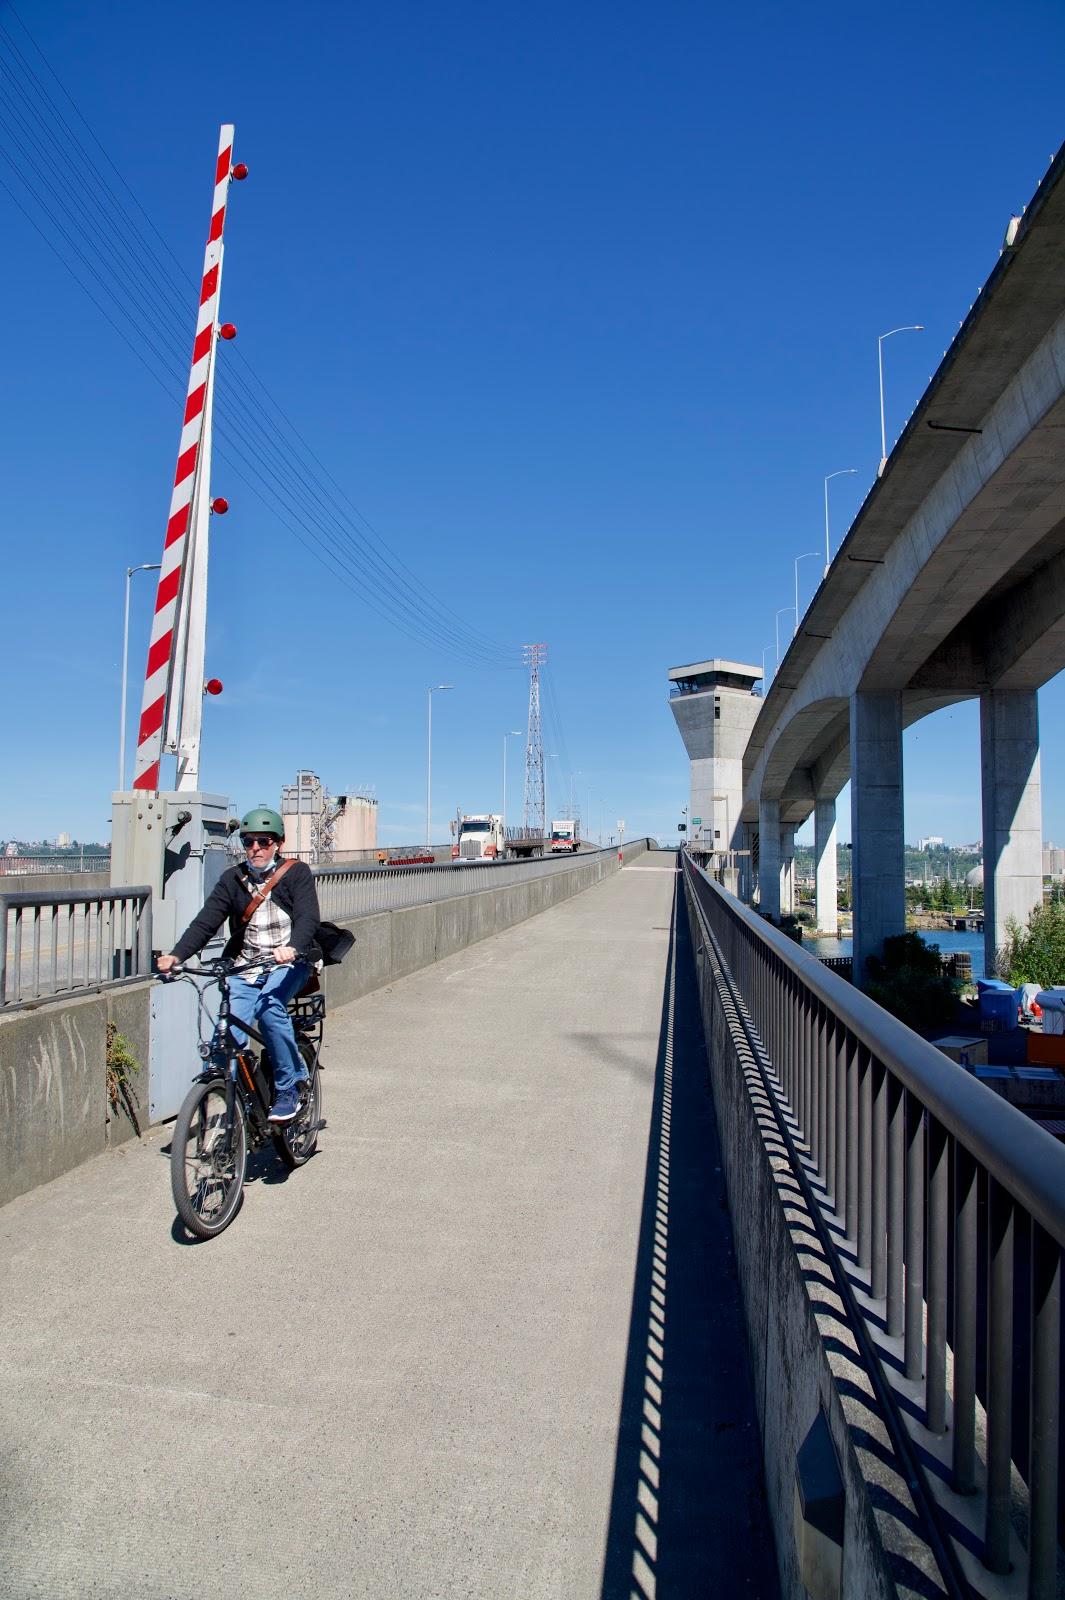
{"x":533,"y":816}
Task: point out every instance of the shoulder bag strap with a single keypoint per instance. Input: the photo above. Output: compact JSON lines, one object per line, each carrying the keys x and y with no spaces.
{"x":261,"y":893}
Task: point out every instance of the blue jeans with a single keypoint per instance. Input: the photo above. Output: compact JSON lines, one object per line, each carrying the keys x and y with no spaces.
{"x":263,"y":1004}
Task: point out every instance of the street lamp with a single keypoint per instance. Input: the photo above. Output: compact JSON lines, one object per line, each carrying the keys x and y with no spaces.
{"x":842,"y":473}
{"x":911,"y":327}
{"x":776,"y":630}
{"x":145,"y":566}
{"x":429,"y":765}
{"x":803,"y":557}
{"x":765,"y":651}
{"x":515,"y":733}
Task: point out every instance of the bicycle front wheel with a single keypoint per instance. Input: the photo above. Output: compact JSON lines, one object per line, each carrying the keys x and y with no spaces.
{"x":207,"y":1163}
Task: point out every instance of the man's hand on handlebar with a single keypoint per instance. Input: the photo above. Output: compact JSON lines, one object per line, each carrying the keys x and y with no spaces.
{"x":165,"y":963}
{"x":285,"y":954}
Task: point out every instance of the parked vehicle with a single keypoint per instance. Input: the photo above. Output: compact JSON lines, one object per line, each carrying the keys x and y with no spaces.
{"x":478,"y":837}
{"x":565,"y":834}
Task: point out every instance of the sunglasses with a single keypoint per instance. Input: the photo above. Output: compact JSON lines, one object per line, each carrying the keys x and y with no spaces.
{"x":257,"y":841}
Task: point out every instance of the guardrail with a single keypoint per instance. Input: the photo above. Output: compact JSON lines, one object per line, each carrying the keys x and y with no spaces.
{"x":345,"y":892}
{"x":24,"y":866}
{"x":952,"y":1204}
{"x":53,"y":944}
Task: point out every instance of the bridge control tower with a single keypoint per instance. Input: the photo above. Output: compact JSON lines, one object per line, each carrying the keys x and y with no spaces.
{"x":715,"y":705}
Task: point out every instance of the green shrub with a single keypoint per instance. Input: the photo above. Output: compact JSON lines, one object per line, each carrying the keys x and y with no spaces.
{"x":1035,"y":954}
{"x":908,"y":980}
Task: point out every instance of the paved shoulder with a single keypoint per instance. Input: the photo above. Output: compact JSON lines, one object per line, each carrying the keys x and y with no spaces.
{"x":401,"y":1371}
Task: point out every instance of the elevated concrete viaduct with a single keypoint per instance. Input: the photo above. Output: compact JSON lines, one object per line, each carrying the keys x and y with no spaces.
{"x":950,"y":586}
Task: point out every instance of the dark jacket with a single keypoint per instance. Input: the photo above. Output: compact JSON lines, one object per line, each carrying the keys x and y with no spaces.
{"x":295,"y":894}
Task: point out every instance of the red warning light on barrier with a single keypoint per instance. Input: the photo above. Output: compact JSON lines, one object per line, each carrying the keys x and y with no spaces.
{"x":213,"y":686}
{"x":240,"y":171}
{"x":221,"y":505}
{"x":228,"y":330}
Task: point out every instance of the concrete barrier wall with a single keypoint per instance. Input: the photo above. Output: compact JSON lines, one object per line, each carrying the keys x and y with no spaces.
{"x":52,"y":882}
{"x":392,"y":944}
{"x":54,"y":1109}
{"x":804,"y":1355}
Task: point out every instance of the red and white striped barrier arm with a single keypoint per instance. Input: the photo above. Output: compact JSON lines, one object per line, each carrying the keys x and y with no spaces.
{"x":159,"y":675}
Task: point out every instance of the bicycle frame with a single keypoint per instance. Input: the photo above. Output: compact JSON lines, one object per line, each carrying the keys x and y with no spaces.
{"x":244,"y":1071}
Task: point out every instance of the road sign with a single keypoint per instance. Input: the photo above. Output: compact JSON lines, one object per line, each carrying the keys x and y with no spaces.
{"x":697,"y":822}
{"x":621,"y":827}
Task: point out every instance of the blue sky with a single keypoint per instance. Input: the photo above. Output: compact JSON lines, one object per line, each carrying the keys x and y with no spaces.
{"x":577,"y":304}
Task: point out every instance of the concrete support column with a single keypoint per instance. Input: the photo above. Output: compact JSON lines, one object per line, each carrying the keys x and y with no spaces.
{"x":769,"y":857}
{"x":825,"y":902}
{"x":876,"y":822}
{"x":787,"y":871}
{"x":1012,"y":812}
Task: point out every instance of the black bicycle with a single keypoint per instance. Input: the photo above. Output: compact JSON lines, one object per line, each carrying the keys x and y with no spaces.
{"x":226,"y":1111}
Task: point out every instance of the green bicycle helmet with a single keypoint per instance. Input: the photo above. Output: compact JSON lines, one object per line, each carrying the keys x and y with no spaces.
{"x":263,"y":820}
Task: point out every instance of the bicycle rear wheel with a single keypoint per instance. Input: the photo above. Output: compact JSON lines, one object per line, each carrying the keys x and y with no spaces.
{"x":296,"y":1140}
{"x":207,"y":1169}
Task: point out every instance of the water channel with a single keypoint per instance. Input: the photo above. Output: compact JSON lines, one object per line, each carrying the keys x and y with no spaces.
{"x":947,"y":940}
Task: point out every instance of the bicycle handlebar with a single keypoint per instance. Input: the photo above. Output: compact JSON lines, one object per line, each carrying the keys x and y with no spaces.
{"x":223,"y":967}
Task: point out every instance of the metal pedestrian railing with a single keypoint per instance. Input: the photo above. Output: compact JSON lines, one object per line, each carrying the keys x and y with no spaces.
{"x":345,"y":892}
{"x":951,"y":1208}
{"x":52,"y":944}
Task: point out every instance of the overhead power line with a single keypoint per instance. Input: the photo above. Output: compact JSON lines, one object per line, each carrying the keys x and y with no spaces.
{"x":147,"y":304}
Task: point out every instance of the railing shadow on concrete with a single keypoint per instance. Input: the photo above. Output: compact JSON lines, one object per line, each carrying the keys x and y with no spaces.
{"x":688,"y":1503}
{"x":940,"y":1214}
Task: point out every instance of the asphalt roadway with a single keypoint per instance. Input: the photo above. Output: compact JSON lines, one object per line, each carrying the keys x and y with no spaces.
{"x":486,"y":1344}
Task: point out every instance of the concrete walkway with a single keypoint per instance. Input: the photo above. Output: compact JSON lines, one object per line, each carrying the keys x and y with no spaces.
{"x":487,"y":1344}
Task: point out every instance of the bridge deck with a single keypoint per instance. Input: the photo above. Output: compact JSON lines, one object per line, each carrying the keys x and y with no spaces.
{"x":451,"y":1356}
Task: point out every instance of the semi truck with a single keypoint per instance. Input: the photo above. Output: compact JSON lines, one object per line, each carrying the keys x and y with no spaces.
{"x":478,"y":837}
{"x":565,"y":834}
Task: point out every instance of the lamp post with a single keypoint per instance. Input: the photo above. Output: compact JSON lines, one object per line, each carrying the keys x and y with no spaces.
{"x":911,"y":327}
{"x":515,"y":733}
{"x":842,"y":473}
{"x":145,"y":566}
{"x":803,"y":557}
{"x":765,"y":651}
{"x":429,"y":765}
{"x":776,"y":630}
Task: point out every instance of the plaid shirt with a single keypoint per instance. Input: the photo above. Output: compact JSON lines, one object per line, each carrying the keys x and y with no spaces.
{"x":267,"y":928}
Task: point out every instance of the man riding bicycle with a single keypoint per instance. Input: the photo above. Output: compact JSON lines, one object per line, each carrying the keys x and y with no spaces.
{"x":272,"y":908}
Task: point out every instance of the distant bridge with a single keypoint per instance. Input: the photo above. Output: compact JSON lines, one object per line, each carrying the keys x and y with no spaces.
{"x":950,"y":586}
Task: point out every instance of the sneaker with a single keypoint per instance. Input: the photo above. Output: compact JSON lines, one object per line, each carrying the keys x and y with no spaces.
{"x":285,"y":1107}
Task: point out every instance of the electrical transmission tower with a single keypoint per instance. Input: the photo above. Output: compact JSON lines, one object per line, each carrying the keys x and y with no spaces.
{"x":533,"y":819}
